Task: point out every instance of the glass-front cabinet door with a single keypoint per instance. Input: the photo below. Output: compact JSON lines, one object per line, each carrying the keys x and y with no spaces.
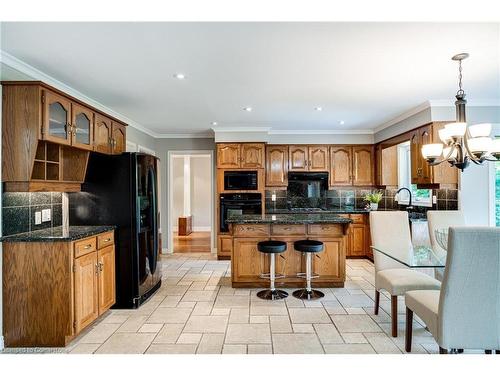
{"x":82,"y":125}
{"x":56,"y":118}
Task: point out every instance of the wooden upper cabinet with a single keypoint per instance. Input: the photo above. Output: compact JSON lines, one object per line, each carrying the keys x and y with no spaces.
{"x":106,"y":282}
{"x":82,"y":127}
{"x":228,"y":155}
{"x":298,"y":160}
{"x":86,"y":290}
{"x":56,"y":118}
{"x":362,"y":165}
{"x":318,"y":158}
{"x":277,"y":166}
{"x":102,"y":134}
{"x":252,"y":155}
{"x":425,"y":138}
{"x":388,"y":165}
{"x":341,"y":165}
{"x":118,"y":138}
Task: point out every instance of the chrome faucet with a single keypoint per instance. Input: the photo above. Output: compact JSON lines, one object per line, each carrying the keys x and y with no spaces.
{"x":410,"y":207}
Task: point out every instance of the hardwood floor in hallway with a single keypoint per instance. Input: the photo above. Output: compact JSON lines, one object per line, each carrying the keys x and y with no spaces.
{"x":196,"y":242}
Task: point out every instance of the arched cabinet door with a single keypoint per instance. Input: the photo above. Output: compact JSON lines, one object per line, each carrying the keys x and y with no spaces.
{"x":318,"y":158}
{"x":298,"y":160}
{"x":118,"y":139}
{"x":56,"y":123}
{"x":362,"y":165}
{"x":228,"y":155}
{"x":102,"y":134}
{"x":341,"y":166}
{"x":82,"y":126}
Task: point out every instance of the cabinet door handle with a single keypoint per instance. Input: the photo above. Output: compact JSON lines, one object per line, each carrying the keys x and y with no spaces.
{"x":88,"y":247}
{"x":101,"y":265}
{"x":96,"y":268}
{"x":107,"y":240}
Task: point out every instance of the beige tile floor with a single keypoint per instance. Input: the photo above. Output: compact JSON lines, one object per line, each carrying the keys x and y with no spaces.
{"x":197,"y":311}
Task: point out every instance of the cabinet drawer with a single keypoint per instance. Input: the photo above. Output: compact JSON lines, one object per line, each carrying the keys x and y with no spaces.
{"x":330,"y":230}
{"x":85,"y":246}
{"x":251,"y":230}
{"x":358,"y":218}
{"x":105,"y":239}
{"x":284,"y":230}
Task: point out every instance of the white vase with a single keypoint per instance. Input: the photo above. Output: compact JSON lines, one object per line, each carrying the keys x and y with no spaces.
{"x":373,"y":206}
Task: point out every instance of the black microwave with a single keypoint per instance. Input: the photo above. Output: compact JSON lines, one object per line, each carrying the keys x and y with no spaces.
{"x":240,"y":180}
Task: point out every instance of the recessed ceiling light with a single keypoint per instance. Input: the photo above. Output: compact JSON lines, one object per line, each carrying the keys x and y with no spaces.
{"x":179,"y":76}
{"x":341,"y":122}
{"x":214,"y":123}
{"x":248,"y":109}
{"x":319,"y":109}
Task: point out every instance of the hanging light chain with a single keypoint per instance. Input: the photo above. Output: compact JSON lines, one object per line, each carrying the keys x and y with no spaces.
{"x":460,"y":91}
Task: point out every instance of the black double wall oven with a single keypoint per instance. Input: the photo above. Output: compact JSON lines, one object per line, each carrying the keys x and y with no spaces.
{"x":238,"y":204}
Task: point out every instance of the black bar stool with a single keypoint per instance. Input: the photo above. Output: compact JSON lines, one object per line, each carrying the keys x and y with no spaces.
{"x":272,"y":248}
{"x":308,"y":247}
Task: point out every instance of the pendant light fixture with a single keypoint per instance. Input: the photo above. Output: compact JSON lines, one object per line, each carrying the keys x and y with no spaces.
{"x":461,"y":143}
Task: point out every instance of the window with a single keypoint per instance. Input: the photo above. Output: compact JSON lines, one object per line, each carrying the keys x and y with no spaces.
{"x":420,"y":197}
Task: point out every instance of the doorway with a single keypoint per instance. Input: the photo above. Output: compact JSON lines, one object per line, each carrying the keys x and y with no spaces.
{"x":191,"y":203}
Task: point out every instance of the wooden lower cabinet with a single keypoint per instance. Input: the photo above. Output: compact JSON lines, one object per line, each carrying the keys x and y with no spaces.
{"x":357,"y":239}
{"x":106,"y":285}
{"x":53,"y":290}
{"x":224,"y":246}
{"x":86,"y":290}
{"x":247,"y":263}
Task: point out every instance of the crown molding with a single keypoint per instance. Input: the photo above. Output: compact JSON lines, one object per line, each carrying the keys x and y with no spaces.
{"x":413,"y":111}
{"x":325,"y":132}
{"x":38,"y":75}
{"x":241,"y":129}
{"x":183,"y":135}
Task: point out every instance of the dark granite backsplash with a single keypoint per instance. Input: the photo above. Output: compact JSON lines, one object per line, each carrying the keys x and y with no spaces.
{"x":447,"y":199}
{"x":18,"y":211}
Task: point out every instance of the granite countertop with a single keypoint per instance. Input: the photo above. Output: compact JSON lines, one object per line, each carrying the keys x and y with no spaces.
{"x":295,"y":218}
{"x":344,"y":210}
{"x":56,"y":234}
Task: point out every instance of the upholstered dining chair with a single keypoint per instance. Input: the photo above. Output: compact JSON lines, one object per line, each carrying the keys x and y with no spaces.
{"x":390,"y":231}
{"x":440,"y":220}
{"x":465,"y":313}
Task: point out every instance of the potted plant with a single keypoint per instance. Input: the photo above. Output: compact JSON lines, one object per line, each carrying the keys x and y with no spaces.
{"x":374,"y":199}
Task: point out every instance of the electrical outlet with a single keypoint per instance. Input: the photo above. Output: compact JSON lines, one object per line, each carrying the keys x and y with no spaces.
{"x":434,"y":199}
{"x":273,"y":197}
{"x":38,"y":217}
{"x":46,"y":215}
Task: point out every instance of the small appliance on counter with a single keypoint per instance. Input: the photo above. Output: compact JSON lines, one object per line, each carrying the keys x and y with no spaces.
{"x":122,"y":190}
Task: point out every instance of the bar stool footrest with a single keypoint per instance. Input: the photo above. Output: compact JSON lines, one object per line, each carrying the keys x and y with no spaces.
{"x":268,"y":276}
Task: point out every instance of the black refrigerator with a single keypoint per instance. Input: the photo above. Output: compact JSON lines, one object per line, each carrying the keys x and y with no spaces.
{"x":122,"y":190}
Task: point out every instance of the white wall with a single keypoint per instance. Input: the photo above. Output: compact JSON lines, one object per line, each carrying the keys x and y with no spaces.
{"x":200,"y":191}
{"x":178,"y":189}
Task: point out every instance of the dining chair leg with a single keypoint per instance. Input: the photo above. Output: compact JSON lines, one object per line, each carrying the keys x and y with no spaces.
{"x":442,"y":351}
{"x":409,"y":329}
{"x":377,"y":301}
{"x":394,"y":315}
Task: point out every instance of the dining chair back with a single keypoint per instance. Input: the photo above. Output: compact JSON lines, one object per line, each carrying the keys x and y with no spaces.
{"x":390,"y":231}
{"x":441,"y":220}
{"x":469,"y":302}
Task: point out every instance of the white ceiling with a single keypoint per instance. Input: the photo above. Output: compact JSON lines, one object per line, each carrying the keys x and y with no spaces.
{"x":362,"y":73}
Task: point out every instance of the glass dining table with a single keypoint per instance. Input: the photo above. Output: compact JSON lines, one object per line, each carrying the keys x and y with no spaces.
{"x":414,"y":256}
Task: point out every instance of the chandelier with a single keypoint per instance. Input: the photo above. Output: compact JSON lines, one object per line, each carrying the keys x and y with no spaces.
{"x":462,"y":143}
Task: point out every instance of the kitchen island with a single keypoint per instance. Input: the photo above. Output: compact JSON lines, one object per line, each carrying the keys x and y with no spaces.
{"x":247,"y":263}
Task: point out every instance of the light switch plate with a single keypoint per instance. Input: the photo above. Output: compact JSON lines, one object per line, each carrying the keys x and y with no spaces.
{"x":273,"y":197}
{"x":46,"y":215}
{"x":38,"y":217}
